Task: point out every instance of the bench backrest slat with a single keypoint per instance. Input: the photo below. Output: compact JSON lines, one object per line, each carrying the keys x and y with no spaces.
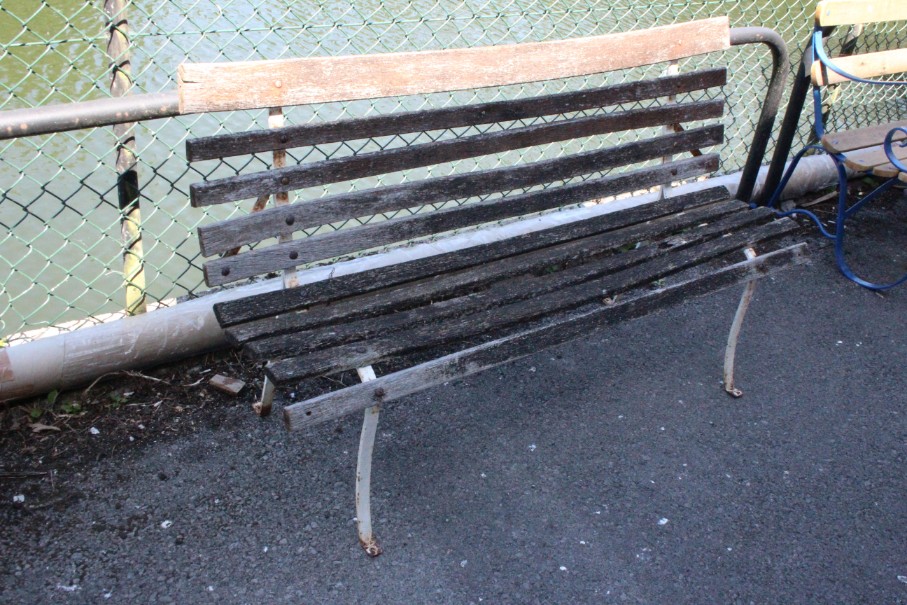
{"x":222,"y":146}
{"x":848,"y":12}
{"x":205,"y":87}
{"x":225,"y":235}
{"x":867,"y":65}
{"x":416,"y":156}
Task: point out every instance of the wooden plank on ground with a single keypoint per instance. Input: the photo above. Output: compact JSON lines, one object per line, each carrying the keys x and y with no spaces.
{"x":348,"y":168}
{"x":698,"y":225}
{"x":867,"y":66}
{"x":227,"y":234}
{"x":476,"y":359}
{"x":206,"y":87}
{"x":267,"y":304}
{"x":367,"y":237}
{"x":860,"y":138}
{"x":849,"y":12}
{"x":242,"y":143}
{"x":423,"y":336}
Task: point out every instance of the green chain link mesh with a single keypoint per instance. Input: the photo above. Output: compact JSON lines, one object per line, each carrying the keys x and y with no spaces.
{"x":61,"y":245}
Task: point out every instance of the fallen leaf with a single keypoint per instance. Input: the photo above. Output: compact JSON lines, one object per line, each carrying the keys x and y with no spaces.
{"x":37,"y":427}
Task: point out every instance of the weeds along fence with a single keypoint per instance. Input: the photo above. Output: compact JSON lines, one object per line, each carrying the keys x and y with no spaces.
{"x":75,"y":246}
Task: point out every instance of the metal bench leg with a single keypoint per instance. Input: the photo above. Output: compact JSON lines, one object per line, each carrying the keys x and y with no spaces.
{"x":364,"y":472}
{"x":731,"y":350}
{"x":263,"y":407}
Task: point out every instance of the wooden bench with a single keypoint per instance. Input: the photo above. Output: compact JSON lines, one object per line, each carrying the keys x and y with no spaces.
{"x":878,"y":150}
{"x":522,"y":255}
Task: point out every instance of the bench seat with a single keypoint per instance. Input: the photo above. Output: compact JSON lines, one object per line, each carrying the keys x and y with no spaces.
{"x":863,"y":151}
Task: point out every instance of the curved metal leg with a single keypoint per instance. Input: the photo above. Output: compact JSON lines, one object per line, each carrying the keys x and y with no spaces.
{"x":731,"y":350}
{"x":364,"y":473}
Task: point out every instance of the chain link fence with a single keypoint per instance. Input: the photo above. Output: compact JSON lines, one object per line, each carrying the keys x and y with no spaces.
{"x":61,"y":227}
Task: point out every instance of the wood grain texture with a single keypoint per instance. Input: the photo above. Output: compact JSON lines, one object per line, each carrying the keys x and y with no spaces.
{"x":511,"y":281}
{"x":367,"y":237}
{"x":565,"y":298}
{"x":867,"y":65}
{"x":476,"y":359}
{"x":205,"y":87}
{"x":849,"y":12}
{"x":875,"y":160}
{"x":860,"y":138}
{"x":227,"y":234}
{"x":438,"y":152}
{"x":268,"y":304}
{"x":242,"y":143}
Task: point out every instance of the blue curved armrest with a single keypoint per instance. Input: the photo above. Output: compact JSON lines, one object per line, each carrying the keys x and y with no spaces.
{"x":889,"y":142}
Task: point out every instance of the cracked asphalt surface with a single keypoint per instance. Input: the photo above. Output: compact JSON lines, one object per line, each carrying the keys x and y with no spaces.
{"x":611,"y":470}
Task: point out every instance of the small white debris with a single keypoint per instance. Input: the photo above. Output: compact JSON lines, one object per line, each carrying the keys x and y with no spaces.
{"x":463,"y":563}
{"x":598,"y":512}
{"x":583,"y":542}
{"x":210,"y":589}
{"x":532,"y":369}
{"x":840,"y":342}
{"x":71,"y":588}
{"x":141,"y":427}
{"x":166,"y":524}
{"x":620,"y":417}
{"x":94,"y":431}
{"x":107,"y":595}
{"x":902,"y":579}
{"x":563,"y":568}
{"x":662,"y":428}
{"x":532,"y":447}
{"x":729,"y":549}
{"x":19,"y":498}
{"x":265,"y":549}
{"x":483,"y":475}
{"x":663,"y":521}
{"x":131,"y":438}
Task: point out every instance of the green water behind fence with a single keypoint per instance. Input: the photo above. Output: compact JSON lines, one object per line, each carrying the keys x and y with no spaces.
{"x":61,"y":245}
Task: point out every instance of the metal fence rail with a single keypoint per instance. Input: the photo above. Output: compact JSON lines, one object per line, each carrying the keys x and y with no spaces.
{"x":75,"y":203}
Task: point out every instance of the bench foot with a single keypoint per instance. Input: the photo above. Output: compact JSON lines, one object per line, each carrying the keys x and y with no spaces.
{"x":730,"y":350}
{"x":364,"y":472}
{"x":263,"y":407}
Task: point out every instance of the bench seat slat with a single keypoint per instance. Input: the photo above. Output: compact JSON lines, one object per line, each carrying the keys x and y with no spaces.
{"x":421,"y":336}
{"x":227,"y":145}
{"x":265,"y":305}
{"x":860,"y":138}
{"x":331,"y":245}
{"x":532,"y":279}
{"x":488,"y":355}
{"x":283,"y":220}
{"x":324,"y":172}
{"x":875,"y":160}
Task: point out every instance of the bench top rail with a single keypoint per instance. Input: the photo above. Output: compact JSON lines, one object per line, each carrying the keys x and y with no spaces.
{"x":831,"y":13}
{"x":206,"y":87}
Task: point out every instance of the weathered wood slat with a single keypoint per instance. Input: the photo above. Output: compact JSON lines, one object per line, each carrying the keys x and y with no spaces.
{"x":366,"y":237}
{"x":866,"y":65}
{"x":875,"y":160}
{"x":504,"y":291}
{"x":456,"y":283}
{"x":426,"y":154}
{"x":355,"y":355}
{"x":847,"y":12}
{"x":205,"y":87}
{"x":282,"y":301}
{"x":859,"y":138}
{"x":476,"y":359}
{"x":226,"y":235}
{"x":242,"y":143}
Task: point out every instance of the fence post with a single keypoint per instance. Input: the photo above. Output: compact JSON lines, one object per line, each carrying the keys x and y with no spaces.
{"x":127,"y":177}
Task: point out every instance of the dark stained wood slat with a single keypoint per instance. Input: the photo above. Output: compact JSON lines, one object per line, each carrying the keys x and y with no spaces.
{"x":451,"y":367}
{"x":426,"y":154}
{"x":257,"y":141}
{"x":456,"y":283}
{"x":206,"y":87}
{"x":344,"y":330}
{"x":271,"y":303}
{"x":332,"y":245}
{"x":284,"y":220}
{"x":357,"y":355}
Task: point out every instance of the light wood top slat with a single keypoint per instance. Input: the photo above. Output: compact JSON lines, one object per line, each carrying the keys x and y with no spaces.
{"x":205,"y":87}
{"x":860,"y":138}
{"x":875,"y":160}
{"x":868,"y":65}
{"x":849,"y":12}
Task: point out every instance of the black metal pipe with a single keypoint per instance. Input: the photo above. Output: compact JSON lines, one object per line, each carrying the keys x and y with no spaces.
{"x":763,"y":129}
{"x":87,"y":114}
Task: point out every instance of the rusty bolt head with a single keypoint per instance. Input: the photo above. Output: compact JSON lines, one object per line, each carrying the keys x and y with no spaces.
{"x":379,"y":393}
{"x":284,"y":180}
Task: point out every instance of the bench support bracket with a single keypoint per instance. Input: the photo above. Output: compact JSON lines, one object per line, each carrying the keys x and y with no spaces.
{"x":364,"y":472}
{"x":731,"y":350}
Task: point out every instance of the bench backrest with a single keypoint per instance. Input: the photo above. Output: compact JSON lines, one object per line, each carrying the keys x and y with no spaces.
{"x":832,"y":13}
{"x":527,"y":122}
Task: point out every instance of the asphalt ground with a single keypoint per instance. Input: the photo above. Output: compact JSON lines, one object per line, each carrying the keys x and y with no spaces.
{"x":611,"y":470}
